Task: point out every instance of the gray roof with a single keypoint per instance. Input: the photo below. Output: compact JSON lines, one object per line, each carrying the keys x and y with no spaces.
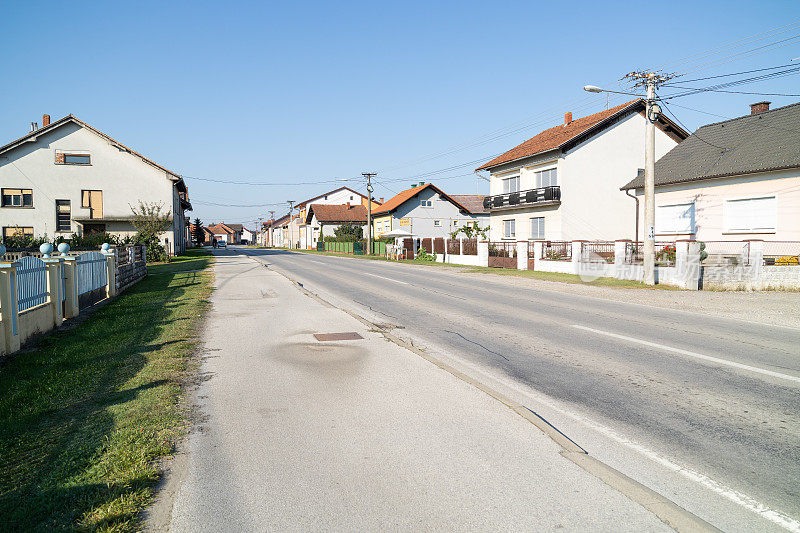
{"x":473,"y":202}
{"x":754,"y":143}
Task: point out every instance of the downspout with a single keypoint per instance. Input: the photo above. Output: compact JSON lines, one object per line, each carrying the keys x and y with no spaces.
{"x":636,"y":237}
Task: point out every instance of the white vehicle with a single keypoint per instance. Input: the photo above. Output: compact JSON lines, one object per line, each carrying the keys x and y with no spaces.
{"x":222,"y":244}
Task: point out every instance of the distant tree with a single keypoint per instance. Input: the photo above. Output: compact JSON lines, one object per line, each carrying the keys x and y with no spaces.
{"x":150,"y":220}
{"x":199,"y":234}
{"x":349,"y":232}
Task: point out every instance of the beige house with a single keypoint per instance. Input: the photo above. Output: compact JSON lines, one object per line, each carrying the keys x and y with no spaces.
{"x":731,"y":181}
{"x":563,"y":184}
{"x":67,"y":177}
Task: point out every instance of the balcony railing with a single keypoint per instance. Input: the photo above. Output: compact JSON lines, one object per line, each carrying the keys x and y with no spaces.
{"x":541,"y":195}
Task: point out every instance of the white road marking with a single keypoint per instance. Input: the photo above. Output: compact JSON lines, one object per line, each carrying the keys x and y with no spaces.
{"x":384,"y":277}
{"x":693,"y":354}
{"x":320,"y":262}
{"x":739,"y":498}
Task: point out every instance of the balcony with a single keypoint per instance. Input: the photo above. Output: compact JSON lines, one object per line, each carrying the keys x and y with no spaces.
{"x":530,"y":198}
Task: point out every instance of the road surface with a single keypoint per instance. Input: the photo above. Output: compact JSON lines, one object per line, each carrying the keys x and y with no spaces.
{"x":705,"y":410}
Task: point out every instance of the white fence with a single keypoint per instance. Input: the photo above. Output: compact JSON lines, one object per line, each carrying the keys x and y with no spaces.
{"x":31,"y":283}
{"x":92,"y":273}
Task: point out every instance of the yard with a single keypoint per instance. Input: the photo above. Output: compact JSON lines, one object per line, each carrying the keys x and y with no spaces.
{"x":87,"y":412}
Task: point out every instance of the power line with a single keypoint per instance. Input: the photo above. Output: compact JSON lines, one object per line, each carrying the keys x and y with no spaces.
{"x":271,"y":184}
{"x":668,"y":110}
{"x":737,"y":73}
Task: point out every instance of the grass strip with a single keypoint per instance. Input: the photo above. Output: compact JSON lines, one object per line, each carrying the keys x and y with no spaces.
{"x":87,"y":412}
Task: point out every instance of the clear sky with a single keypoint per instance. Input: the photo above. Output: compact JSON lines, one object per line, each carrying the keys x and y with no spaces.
{"x":298,"y":92}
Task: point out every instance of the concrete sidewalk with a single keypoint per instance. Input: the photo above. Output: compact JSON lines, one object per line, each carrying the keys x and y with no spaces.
{"x":298,"y":434}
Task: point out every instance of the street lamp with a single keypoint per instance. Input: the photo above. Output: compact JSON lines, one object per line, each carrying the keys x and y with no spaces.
{"x":651,"y":115}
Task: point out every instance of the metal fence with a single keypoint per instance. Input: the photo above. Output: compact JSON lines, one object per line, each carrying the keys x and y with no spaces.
{"x":91,"y":272}
{"x":556,"y":251}
{"x":598,"y":252}
{"x":31,"y":283}
{"x":782,"y":253}
{"x":453,"y":247}
{"x":503,"y":254}
{"x":725,"y":253}
{"x":664,"y":252}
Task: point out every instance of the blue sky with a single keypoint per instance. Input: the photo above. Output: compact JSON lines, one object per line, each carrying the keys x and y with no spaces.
{"x":304,"y":92}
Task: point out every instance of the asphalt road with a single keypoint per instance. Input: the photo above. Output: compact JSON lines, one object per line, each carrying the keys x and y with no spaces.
{"x":703,"y":408}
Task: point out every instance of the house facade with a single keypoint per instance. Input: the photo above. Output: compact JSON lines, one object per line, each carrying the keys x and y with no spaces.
{"x":67,"y":177}
{"x":328,"y":217}
{"x":733,"y":180}
{"x":426,"y":211}
{"x":304,"y":233}
{"x":227,"y":233}
{"x":563,"y":184}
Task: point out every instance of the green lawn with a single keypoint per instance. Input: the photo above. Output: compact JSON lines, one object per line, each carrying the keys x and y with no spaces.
{"x":545,"y":276}
{"x":85,"y":414}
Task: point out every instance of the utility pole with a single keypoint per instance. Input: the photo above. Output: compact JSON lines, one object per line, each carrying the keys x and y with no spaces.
{"x":269,"y":231}
{"x":291,"y":231}
{"x":650,"y":80}
{"x":369,"y":176}
{"x":649,"y":259}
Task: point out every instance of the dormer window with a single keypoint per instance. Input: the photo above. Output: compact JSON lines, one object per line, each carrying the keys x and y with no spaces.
{"x":73,"y":158}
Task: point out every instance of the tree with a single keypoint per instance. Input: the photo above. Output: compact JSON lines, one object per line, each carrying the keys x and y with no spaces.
{"x":199,"y":234}
{"x":349,"y":232}
{"x":150,"y":221}
{"x":471,"y":231}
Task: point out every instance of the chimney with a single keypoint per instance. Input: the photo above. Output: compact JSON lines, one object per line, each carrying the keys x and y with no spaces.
{"x":567,"y":117}
{"x":381,"y":199}
{"x":759,"y":107}
{"x":45,"y":120}
{"x":348,"y":205}
{"x":34,"y":126}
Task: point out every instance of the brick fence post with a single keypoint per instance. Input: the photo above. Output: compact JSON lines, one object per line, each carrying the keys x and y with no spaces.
{"x":483,"y":253}
{"x":111,"y":271}
{"x":522,"y":255}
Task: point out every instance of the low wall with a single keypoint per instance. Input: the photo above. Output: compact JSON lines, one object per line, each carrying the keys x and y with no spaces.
{"x":129,"y":274}
{"x":754,"y":277}
{"x":561,"y":267}
{"x":34,"y":321}
{"x":466,"y":260}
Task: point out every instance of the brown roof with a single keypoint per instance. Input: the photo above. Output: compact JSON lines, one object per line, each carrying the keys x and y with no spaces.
{"x":473,"y":202}
{"x":557,"y":136}
{"x":331,"y":214}
{"x":393,"y":203}
{"x":236,"y":227}
{"x":220,"y":228}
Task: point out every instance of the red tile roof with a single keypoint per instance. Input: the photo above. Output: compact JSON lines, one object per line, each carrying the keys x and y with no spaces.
{"x":393,"y":203}
{"x":329,"y":214}
{"x":557,"y":136}
{"x":473,"y":202}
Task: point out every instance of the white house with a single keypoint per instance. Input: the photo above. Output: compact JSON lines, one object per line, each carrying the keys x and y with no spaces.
{"x":302,"y":233}
{"x":68,"y":177}
{"x":563,"y":184}
{"x":733,"y":180}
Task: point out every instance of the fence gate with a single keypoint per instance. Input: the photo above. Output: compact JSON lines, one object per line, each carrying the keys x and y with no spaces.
{"x":31,"y":283}
{"x":503,"y":254}
{"x":92,"y":275}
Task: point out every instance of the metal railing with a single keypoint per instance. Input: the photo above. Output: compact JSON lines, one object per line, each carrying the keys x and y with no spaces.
{"x":31,"y":283}
{"x":782,"y":253}
{"x":556,"y":251}
{"x":453,"y":246}
{"x":664,"y":251}
{"x":598,"y":252}
{"x":725,"y":253}
{"x":502,"y":249}
{"x":550,"y":194}
{"x":91,"y":272}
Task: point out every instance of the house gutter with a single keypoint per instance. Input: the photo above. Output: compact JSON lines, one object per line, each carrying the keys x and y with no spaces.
{"x":636,"y":235}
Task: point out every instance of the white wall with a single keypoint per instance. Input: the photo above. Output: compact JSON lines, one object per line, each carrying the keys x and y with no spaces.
{"x":590,"y":175}
{"x":124,"y":179}
{"x":709,"y":197}
{"x":423,"y":219}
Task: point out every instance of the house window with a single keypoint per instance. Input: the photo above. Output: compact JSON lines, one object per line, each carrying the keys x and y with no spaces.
{"x":93,"y":200}
{"x":66,"y":158}
{"x":546,"y":178}
{"x":509,"y":229}
{"x":750,"y":215}
{"x":17,"y":198}
{"x":677,"y":218}
{"x":63,"y":215}
{"x":426,"y":203}
{"x":17,"y":231}
{"x":437,"y":223}
{"x":537,"y":228}
{"x":511,"y":184}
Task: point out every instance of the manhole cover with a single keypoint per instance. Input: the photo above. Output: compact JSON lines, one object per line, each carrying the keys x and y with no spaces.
{"x":346,"y":336}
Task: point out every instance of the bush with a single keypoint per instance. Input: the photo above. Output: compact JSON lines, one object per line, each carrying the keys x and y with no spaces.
{"x":423,"y":255}
{"x":349,"y":232}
